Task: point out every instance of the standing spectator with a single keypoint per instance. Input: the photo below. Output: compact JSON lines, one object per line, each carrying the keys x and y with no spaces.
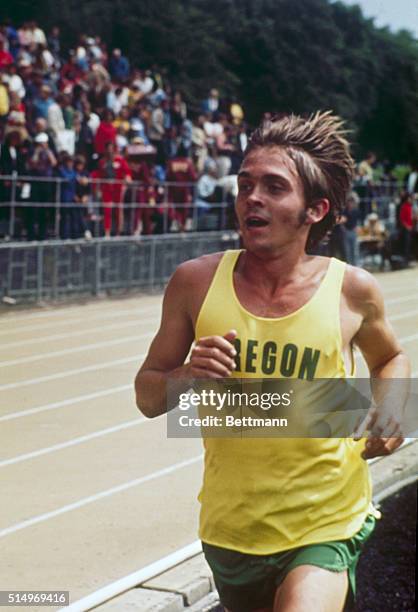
{"x":138,"y":124}
{"x":178,"y":110}
{"x":12,"y":163}
{"x":106,"y":132}
{"x":208,"y":193}
{"x":180,"y":173}
{"x":119,"y":66}
{"x":5,"y":57}
{"x":54,"y":43}
{"x":55,"y":121}
{"x":68,"y":212}
{"x":210,"y":106}
{"x":365,"y":186}
{"x":116,"y":173}
{"x":156,"y":133}
{"x":349,"y":226}
{"x":15,"y":81}
{"x":16,"y":119}
{"x":144,"y":197}
{"x":406,"y":223}
{"x":82,"y":194}
{"x":42,"y":102}
{"x":199,"y":146}
{"x":41,"y":164}
{"x":4,"y":103}
{"x":143,"y":80}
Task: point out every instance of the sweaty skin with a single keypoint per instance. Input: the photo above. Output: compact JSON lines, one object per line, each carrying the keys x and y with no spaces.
{"x":272,"y":278}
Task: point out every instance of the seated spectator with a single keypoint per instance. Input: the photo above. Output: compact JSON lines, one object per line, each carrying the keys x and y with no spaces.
{"x":373,"y":239}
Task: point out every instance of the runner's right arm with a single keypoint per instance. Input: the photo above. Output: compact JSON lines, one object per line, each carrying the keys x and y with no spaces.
{"x":212,"y":357}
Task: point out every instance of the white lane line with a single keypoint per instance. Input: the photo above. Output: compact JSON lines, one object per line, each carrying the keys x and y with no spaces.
{"x":83,"y":332}
{"x":63,"y":311}
{"x":66,"y":373}
{"x":398,"y":289}
{"x":133,"y":580}
{"x":399,"y":300}
{"x":77,"y":349}
{"x":102,"y":495}
{"x":114,"y":314}
{"x":403,"y":315}
{"x":408,"y":339}
{"x":68,"y":402}
{"x":73,"y":441}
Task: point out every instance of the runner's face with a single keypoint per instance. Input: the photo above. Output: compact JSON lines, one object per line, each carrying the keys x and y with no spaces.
{"x":270,"y":204}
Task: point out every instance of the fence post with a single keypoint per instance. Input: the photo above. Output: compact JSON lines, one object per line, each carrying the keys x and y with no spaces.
{"x":39,"y":272}
{"x":195,"y":211}
{"x":151,"y":277}
{"x":165,"y":209}
{"x":57,"y":207}
{"x":97,"y":268}
{"x":12,"y":206}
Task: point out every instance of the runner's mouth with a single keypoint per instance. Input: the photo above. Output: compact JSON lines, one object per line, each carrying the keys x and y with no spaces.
{"x":254,"y":221}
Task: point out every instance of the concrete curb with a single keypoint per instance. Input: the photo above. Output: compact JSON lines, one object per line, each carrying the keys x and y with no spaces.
{"x":189,"y":586}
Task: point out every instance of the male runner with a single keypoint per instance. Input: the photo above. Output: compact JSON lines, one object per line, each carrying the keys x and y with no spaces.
{"x":282,"y":520}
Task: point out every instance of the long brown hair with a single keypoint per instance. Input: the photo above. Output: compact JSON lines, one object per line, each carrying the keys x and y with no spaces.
{"x":321,"y":153}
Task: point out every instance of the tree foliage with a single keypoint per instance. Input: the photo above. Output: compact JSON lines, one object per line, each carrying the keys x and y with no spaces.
{"x":273,"y":55}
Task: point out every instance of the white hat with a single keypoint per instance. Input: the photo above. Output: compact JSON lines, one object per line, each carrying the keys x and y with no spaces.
{"x":41,"y":137}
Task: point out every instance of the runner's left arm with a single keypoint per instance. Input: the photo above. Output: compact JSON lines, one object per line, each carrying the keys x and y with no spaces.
{"x":389,"y":369}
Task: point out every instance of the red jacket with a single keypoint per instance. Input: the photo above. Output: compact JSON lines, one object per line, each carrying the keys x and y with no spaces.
{"x":180,"y":170}
{"x":405,"y":215}
{"x":112,"y":191}
{"x":106,"y":132}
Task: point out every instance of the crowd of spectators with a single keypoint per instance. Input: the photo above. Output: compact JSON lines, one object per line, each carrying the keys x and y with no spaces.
{"x":114,"y":149}
{"x":129,"y":153}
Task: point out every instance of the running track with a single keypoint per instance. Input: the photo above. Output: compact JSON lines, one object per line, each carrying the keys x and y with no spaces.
{"x":91,"y":490}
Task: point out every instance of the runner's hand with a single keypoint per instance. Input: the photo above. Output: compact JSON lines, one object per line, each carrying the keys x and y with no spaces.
{"x":213,"y":356}
{"x":384,"y":433}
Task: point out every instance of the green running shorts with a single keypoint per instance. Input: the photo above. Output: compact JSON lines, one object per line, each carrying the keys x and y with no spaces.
{"x":247,"y":582}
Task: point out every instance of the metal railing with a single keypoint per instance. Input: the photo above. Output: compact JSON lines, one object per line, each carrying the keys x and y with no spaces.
{"x":27,"y":201}
{"x":58,"y":270}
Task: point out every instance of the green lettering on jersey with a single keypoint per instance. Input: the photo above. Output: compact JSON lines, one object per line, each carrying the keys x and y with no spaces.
{"x":268,"y":362}
{"x":251,"y":356}
{"x":309,"y":363}
{"x":288,"y":361}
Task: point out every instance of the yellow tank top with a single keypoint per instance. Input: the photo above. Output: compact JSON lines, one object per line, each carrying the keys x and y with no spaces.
{"x":265,"y":495}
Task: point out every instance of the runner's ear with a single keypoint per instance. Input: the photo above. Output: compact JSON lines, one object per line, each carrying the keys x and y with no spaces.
{"x":317,"y":211}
